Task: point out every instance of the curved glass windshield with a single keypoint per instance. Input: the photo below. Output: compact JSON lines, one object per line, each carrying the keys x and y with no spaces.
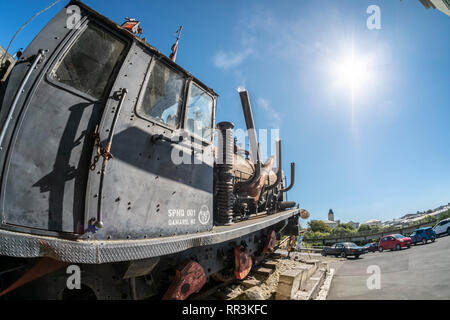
{"x":199,"y":112}
{"x":89,"y":64}
{"x":162,"y":98}
{"x":399,"y":236}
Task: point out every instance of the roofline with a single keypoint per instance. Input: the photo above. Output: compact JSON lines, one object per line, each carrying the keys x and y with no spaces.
{"x":128,"y":34}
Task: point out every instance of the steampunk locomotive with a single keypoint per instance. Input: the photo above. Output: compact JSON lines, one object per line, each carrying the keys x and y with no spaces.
{"x":108,"y":162}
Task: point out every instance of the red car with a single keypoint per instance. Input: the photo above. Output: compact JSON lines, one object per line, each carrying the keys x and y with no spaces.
{"x":394,"y":242}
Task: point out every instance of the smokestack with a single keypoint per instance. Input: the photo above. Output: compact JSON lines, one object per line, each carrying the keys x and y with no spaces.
{"x":248,"y":115}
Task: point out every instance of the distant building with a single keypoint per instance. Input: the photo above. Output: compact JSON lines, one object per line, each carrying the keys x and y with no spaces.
{"x":331,"y":215}
{"x":354,"y":224}
{"x":373,"y":222}
{"x":330,"y":222}
{"x":441,"y":5}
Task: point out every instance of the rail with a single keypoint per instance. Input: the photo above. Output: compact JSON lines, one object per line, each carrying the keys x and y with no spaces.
{"x":364,"y":236}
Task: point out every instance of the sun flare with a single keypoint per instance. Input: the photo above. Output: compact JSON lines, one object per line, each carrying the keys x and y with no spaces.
{"x":352,"y":72}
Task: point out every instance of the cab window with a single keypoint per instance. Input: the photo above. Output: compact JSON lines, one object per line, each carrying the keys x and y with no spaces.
{"x":163,"y":94}
{"x":199,"y":112}
{"x":89,"y":64}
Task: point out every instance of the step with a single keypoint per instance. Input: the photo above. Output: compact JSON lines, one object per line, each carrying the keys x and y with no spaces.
{"x":270,"y":264}
{"x":249,"y":283}
{"x":264,"y":271}
{"x":312,"y":286}
{"x":289,"y":283}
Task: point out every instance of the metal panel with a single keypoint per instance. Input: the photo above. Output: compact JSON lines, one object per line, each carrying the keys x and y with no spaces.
{"x":95,"y":252}
{"x":142,"y":185}
{"x":45,"y":174}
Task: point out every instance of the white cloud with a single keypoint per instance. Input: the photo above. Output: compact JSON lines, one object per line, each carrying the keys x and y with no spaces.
{"x":263,"y":103}
{"x":270,"y":112}
{"x":228,"y":60}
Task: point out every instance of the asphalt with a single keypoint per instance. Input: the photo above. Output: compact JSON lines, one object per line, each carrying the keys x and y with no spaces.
{"x":421,"y":272}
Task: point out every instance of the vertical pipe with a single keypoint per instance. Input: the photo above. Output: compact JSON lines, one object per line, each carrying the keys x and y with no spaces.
{"x":279,"y":165}
{"x":248,"y":115}
{"x":225,"y":197}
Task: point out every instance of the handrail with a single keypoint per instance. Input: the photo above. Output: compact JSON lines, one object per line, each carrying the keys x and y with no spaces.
{"x":19,"y":92}
{"x":106,"y":153}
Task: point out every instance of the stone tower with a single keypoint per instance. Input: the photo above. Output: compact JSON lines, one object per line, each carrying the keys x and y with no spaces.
{"x":331,"y":215}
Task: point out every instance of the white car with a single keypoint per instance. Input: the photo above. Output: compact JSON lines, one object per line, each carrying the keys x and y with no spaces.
{"x":442,"y":227}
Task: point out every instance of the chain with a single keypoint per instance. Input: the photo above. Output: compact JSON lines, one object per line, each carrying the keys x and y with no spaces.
{"x":101,"y":152}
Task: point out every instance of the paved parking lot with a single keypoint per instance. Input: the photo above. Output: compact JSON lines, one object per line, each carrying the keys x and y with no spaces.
{"x":421,"y":272}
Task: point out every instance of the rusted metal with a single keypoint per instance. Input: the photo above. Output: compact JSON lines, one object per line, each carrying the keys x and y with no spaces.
{"x":271,"y":242}
{"x":106,"y":154}
{"x":279,"y":167}
{"x":41,"y":268}
{"x":132,"y":25}
{"x":243,"y":262}
{"x":189,"y":278}
{"x":254,"y":188}
{"x":101,"y":152}
{"x":291,"y":244}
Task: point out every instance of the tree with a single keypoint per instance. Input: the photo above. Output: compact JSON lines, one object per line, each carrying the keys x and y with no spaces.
{"x":347,"y":226}
{"x":364,"y":227}
{"x":341,"y":231}
{"x":318,"y":226}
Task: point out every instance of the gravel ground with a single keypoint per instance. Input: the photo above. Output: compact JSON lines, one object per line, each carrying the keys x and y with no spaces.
{"x":266,"y":290}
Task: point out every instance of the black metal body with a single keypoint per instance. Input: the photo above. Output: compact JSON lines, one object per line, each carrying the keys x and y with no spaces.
{"x":47,"y":187}
{"x":90,"y":179}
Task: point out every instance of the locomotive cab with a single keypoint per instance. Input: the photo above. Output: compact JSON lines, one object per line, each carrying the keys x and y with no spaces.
{"x":87,"y":82}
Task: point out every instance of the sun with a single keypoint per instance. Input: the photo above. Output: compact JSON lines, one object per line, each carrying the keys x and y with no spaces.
{"x":353,"y":72}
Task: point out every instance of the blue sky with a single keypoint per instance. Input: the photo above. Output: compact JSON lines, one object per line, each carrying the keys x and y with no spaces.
{"x":379,"y":155}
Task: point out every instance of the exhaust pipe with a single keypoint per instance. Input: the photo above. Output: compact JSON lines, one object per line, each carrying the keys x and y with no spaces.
{"x":254,"y":147}
{"x":248,"y":116}
{"x":292,"y":178}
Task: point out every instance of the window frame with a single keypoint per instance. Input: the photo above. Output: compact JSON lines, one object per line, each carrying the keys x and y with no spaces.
{"x":139,"y":110}
{"x":192,"y":82}
{"x":68,"y":45}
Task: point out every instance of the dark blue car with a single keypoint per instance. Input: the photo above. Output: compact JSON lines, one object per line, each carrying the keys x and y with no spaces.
{"x":423,"y":235}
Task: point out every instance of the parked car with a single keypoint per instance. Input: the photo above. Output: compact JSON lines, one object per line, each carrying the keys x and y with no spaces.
{"x":442,"y":227}
{"x":343,"y":249}
{"x":394,"y":242}
{"x":371,"y":247}
{"x":423,"y":235}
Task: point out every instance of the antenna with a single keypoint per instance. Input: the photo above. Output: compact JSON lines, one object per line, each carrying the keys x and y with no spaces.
{"x":173,"y":54}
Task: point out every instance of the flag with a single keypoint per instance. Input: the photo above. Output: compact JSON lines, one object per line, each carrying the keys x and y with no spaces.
{"x":173,"y":55}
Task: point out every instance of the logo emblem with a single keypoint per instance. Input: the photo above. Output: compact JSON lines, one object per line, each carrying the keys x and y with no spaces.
{"x":203,"y":215}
